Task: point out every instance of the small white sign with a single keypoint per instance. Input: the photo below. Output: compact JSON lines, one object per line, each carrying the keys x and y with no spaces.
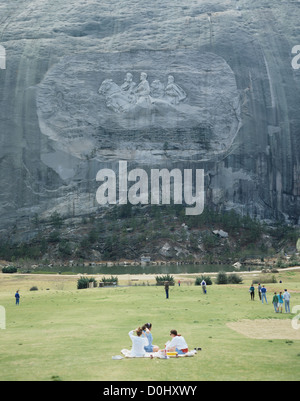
{"x":2,"y":58}
{"x":2,"y":318}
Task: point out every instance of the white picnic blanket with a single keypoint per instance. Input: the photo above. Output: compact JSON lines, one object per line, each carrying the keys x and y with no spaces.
{"x":126,"y":353}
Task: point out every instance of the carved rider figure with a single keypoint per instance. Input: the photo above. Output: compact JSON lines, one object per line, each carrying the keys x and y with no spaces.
{"x":143,"y":92}
{"x":173,"y":92}
{"x":129,"y":87}
{"x":157,"y":89}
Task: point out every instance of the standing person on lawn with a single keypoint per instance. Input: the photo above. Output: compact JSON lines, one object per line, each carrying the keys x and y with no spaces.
{"x":252,"y":291}
{"x":275,"y":302}
{"x":286,"y":297}
{"x":259,"y":290}
{"x":17,"y":296}
{"x":167,"y":289}
{"x":280,"y":302}
{"x":203,"y":285}
{"x":263,"y":294}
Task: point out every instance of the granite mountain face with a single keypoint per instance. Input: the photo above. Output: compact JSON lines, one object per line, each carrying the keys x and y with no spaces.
{"x":185,"y":84}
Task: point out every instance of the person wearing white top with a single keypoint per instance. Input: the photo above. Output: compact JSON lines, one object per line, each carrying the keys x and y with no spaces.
{"x":286,"y":297}
{"x":203,"y":285}
{"x":138,"y":343}
{"x":177,"y":343}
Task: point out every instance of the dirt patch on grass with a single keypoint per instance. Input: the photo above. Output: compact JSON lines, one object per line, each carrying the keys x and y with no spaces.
{"x":266,"y":329}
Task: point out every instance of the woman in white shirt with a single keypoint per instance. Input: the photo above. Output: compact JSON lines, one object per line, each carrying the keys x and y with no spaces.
{"x":177,"y":343}
{"x":138,"y":343}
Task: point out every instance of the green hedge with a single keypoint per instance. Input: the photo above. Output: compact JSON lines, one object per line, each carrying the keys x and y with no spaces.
{"x":160,"y":280}
{"x":110,"y":280}
{"x":9,"y":269}
{"x":233,"y":278}
{"x":83,"y":282}
{"x":207,"y":279}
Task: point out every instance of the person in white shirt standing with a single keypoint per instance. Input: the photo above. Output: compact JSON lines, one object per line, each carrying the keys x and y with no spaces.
{"x":138,"y":343}
{"x":286,"y":297}
{"x":177,"y":343}
{"x":203,"y":285}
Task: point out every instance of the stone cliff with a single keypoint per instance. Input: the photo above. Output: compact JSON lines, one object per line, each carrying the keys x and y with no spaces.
{"x":223,"y":96}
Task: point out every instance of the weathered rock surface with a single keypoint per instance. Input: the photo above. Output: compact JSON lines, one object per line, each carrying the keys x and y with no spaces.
{"x":239,"y":118}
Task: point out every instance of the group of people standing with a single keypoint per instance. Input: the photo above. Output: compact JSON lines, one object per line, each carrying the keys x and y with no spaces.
{"x":142,"y":342}
{"x":278,"y":299}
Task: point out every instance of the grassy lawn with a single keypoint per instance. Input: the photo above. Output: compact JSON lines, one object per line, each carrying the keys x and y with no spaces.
{"x":59,"y":332}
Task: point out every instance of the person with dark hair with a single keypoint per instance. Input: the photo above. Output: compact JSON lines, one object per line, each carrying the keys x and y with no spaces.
{"x":286,"y":297}
{"x":147,"y":330}
{"x":252,"y":292}
{"x":275,"y":302}
{"x":167,"y":289}
{"x":280,"y":301}
{"x":177,"y":343}
{"x":259,"y":291}
{"x":17,"y":296}
{"x":203,"y":285}
{"x":139,"y":341}
{"x":263,"y":294}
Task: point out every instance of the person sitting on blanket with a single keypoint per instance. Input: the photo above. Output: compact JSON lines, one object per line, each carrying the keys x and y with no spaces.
{"x":147,"y":330}
{"x":138,"y":343}
{"x":177,"y":343}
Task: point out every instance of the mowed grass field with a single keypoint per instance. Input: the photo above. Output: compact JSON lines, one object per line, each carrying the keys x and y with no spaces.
{"x":61,"y":333}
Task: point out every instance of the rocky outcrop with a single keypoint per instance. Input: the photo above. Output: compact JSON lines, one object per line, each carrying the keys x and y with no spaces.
{"x":231,"y":106}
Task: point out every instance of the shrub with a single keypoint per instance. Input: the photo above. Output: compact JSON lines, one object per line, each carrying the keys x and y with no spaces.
{"x":209,"y":241}
{"x":65,"y":248}
{"x":110,"y":280}
{"x":222,"y":278}
{"x":234,"y":279}
{"x":56,"y":220}
{"x":93,"y":236}
{"x":9,"y":269}
{"x":207,"y":279}
{"x":83,"y":282}
{"x":160,"y":280}
{"x":54,"y":236}
{"x":265,"y":278}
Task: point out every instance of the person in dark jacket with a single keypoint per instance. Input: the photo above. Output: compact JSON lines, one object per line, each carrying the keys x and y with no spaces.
{"x":17,"y":296}
{"x":167,"y":289}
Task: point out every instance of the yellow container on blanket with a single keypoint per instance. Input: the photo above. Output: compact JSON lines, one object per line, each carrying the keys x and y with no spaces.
{"x":172,"y":353}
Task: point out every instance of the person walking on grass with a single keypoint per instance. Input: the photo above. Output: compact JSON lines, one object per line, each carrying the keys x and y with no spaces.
{"x":275,"y":302}
{"x":263,"y":294}
{"x":252,"y":290}
{"x":286,"y":297}
{"x":17,"y":296}
{"x":203,"y":285}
